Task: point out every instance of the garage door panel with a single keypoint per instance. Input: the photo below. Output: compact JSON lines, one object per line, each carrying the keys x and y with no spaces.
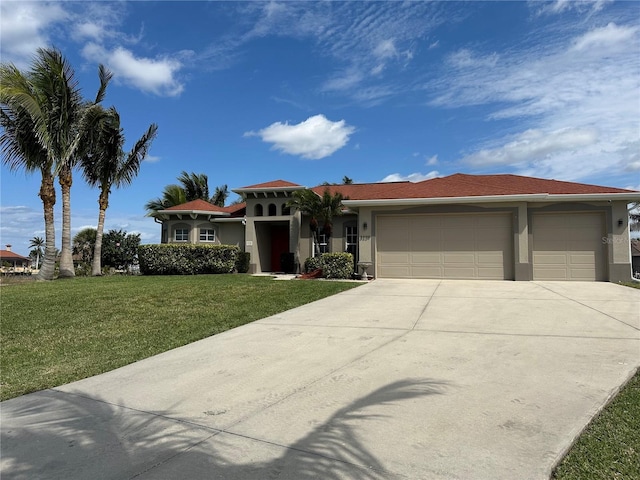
{"x":446,"y":246}
{"x":568,"y":246}
{"x":426,"y":257}
{"x":392,"y":258}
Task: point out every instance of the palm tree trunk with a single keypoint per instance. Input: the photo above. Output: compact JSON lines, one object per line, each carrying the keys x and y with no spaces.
{"x":48,"y":196}
{"x":96,"y":266}
{"x":66,"y":259}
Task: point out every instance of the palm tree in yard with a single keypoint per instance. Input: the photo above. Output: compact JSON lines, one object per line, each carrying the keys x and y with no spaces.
{"x":37,"y":243}
{"x":106,"y":165}
{"x":193,"y":186}
{"x":316,"y":207}
{"x":21,"y":150}
{"x":50,"y":96}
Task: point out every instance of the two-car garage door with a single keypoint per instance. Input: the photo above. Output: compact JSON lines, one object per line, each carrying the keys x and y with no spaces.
{"x":445,"y":246}
{"x":565,"y":246}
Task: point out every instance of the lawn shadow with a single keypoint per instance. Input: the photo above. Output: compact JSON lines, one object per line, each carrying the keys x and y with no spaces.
{"x":56,"y":435}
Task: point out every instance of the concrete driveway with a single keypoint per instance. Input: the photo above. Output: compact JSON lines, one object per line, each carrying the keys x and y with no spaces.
{"x":394,"y":379}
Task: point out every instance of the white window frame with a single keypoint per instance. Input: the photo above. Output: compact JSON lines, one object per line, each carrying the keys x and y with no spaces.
{"x":323,"y":244}
{"x":205,"y":232}
{"x":183,"y":232}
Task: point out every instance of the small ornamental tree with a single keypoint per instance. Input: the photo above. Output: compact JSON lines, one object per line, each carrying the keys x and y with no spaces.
{"x":119,"y":249}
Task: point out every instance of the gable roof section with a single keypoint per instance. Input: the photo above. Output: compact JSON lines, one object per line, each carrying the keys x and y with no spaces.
{"x":271,"y":185}
{"x":9,"y":255}
{"x":200,"y":205}
{"x":462,"y":185}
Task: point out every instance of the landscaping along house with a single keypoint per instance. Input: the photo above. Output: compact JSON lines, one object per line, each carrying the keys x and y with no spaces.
{"x":494,"y":227}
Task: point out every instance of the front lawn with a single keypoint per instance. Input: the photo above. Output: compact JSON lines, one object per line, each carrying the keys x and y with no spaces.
{"x":609,"y":448}
{"x":57,"y":332}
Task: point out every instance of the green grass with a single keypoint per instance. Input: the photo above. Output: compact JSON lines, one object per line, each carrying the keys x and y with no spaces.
{"x":57,"y":332}
{"x":609,"y":448}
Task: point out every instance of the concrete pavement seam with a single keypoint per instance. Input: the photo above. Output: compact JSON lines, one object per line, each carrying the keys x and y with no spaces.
{"x":591,"y":308}
{"x":427,"y":305}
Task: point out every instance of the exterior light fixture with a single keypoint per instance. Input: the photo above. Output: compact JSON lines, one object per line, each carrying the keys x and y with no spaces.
{"x":620,"y":222}
{"x":365,"y":226}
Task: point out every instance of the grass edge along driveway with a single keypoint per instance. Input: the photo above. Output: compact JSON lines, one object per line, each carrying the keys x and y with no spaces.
{"x":58,"y":332}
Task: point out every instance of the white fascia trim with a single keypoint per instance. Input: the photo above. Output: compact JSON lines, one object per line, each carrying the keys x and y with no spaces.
{"x":227,"y":220}
{"x":536,"y":197}
{"x":197,"y":212}
{"x":267,"y":189}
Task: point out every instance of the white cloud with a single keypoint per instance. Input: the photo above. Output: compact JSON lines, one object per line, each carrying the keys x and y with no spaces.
{"x":572,"y":114}
{"x":152,"y":159}
{"x":412,"y":177}
{"x":610,"y":36}
{"x":432,"y":161}
{"x":315,"y":138}
{"x":532,"y":146}
{"x":385,"y":49}
{"x":561,"y":6}
{"x":23,"y":28}
{"x":465,"y":58}
{"x":158,"y":76}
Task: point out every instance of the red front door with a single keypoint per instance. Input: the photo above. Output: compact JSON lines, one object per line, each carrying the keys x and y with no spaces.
{"x":279,"y":245}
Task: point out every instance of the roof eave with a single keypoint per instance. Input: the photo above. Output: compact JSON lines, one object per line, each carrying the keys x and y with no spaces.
{"x":240,"y":191}
{"x":197,"y":212}
{"x":535,"y":197}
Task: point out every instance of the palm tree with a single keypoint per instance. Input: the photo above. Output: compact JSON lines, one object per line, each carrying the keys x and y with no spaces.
{"x":49,"y":93}
{"x":307,"y":202}
{"x":22,"y":150}
{"x":192,"y":186}
{"x":331,"y":206}
{"x":37,"y":243}
{"x":347,"y":181}
{"x":83,"y":244}
{"x":106,"y":165}
{"x":220,"y":197}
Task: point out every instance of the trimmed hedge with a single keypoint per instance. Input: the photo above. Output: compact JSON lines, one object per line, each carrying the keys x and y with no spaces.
{"x":312,"y":263}
{"x":243,"y":262}
{"x":187,"y":259}
{"x":333,"y":265}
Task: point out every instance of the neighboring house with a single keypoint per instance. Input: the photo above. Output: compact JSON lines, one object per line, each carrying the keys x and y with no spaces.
{"x":13,"y":260}
{"x":635,"y":257}
{"x":498,"y":227}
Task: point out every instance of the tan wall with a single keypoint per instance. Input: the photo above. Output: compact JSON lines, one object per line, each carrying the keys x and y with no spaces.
{"x":227,"y":233}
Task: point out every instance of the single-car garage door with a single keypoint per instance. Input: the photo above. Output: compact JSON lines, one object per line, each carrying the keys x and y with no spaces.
{"x":568,"y":246}
{"x":444,"y":246}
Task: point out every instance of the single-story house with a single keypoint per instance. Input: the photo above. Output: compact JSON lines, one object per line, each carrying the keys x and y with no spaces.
{"x":505,"y":227}
{"x":12,"y":262}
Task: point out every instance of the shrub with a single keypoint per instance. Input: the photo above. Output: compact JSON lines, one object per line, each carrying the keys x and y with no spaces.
{"x":312,"y":263}
{"x":242,"y":262}
{"x":337,"y":265}
{"x":186,"y":259}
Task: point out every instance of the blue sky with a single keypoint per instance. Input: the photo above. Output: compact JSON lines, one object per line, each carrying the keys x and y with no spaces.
{"x":248,"y":92}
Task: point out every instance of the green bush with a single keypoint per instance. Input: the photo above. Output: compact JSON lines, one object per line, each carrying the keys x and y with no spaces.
{"x":312,"y":263}
{"x":337,"y":265}
{"x":186,"y":259}
{"x":242,"y":262}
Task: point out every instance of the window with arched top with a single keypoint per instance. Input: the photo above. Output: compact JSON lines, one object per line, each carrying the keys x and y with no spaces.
{"x":285,"y":210}
{"x":273,"y":211}
{"x":258,"y":211}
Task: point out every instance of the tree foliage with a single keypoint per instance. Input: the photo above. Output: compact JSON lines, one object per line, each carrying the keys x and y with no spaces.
{"x":119,"y":249}
{"x":191,"y":186}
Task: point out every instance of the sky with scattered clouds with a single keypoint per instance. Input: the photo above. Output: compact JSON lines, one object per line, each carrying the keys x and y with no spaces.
{"x":248,"y":92}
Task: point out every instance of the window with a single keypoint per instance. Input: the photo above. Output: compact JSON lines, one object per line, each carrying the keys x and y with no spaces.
{"x":351,"y":239}
{"x":323,"y":244}
{"x":182,"y":235}
{"x":272,"y":210}
{"x":207,"y":235}
{"x":257,"y":211}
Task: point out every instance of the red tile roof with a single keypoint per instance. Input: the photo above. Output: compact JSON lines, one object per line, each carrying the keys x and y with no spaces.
{"x":272,"y":184}
{"x":204,"y":206}
{"x":462,"y":185}
{"x":8,"y":255}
